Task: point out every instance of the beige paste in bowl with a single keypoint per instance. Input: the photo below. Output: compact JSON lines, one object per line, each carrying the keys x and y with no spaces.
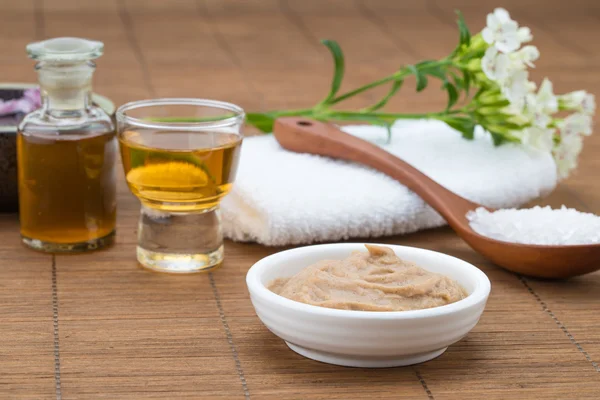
{"x":376,"y":280}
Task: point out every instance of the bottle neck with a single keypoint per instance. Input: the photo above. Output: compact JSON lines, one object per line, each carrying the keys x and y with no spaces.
{"x":66,"y":88}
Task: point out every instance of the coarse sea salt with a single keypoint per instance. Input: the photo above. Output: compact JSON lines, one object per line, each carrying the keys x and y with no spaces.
{"x":537,"y":225}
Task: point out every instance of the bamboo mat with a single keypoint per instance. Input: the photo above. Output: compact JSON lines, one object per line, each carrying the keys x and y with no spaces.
{"x":97,"y":326}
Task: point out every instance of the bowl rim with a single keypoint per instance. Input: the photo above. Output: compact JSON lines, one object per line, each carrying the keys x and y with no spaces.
{"x":258,"y":289}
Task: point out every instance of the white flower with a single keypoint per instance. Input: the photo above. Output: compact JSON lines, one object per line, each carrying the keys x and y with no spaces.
{"x":572,"y":130}
{"x":526,"y":55}
{"x":516,"y":87}
{"x":500,"y":14}
{"x":566,"y":154}
{"x":539,"y":107}
{"x":545,"y":98}
{"x":517,"y":114}
{"x":538,"y":138}
{"x":576,"y":124}
{"x":495,"y":65}
{"x":502,"y":32}
{"x":579,"y":100}
{"x":536,"y":116}
{"x":499,"y":66}
{"x":524,"y":34}
{"x":588,"y":105}
{"x":510,"y":73}
{"x":573,"y":100}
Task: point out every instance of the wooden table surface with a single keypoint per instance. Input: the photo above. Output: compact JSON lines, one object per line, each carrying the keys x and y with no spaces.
{"x":97,"y":326}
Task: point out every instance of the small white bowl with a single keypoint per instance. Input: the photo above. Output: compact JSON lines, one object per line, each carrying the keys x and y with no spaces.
{"x":366,"y":338}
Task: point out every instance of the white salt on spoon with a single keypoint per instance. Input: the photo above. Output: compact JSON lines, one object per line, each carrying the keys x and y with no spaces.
{"x":537,"y":225}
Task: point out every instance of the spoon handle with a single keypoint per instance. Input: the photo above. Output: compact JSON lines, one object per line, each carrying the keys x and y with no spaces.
{"x":303,"y":135}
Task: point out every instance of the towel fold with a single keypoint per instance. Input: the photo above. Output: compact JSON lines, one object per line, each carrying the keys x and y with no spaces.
{"x":282,"y":198}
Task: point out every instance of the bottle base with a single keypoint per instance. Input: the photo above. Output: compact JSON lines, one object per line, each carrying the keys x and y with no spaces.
{"x":79,"y":247}
{"x":180,"y":263}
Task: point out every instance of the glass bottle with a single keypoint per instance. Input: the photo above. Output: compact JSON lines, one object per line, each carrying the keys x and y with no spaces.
{"x":67,"y":154}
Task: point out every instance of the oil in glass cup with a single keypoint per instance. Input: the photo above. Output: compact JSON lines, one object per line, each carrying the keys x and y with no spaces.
{"x":180,"y":158}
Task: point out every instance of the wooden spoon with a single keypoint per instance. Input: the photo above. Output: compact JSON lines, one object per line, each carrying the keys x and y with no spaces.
{"x":308,"y":136}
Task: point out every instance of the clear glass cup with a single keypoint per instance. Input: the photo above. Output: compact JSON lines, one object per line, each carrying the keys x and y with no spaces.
{"x":180,"y":158}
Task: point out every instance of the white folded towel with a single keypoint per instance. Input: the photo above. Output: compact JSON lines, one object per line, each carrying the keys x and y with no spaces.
{"x":282,"y":198}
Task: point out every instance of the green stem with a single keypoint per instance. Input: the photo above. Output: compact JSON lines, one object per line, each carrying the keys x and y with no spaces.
{"x":401,"y":74}
{"x":398,"y":75}
{"x":293,"y":113}
{"x":388,"y":116}
{"x":358,"y":115}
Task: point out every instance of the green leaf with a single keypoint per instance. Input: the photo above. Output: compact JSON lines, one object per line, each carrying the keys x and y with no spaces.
{"x":490,"y":96}
{"x":498,"y":138}
{"x":465,"y":34}
{"x":501,"y":133}
{"x":338,"y":68}
{"x":486,"y":111}
{"x":431,"y":67}
{"x":501,"y":138}
{"x":425,"y":63}
{"x":464,"y":125}
{"x":393,"y":90}
{"x":466,"y":81}
{"x":479,"y":93}
{"x":452,"y":94}
{"x":501,"y":121}
{"x":263,"y":122}
{"x":387,"y":125}
{"x":436,"y":71}
{"x":457,"y":80}
{"x":421,"y":78}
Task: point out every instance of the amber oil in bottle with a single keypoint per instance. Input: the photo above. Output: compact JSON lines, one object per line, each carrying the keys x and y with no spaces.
{"x":67,"y":154}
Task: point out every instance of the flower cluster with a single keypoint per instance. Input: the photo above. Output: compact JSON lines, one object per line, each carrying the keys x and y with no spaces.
{"x":486,"y":79}
{"x":505,"y":63}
